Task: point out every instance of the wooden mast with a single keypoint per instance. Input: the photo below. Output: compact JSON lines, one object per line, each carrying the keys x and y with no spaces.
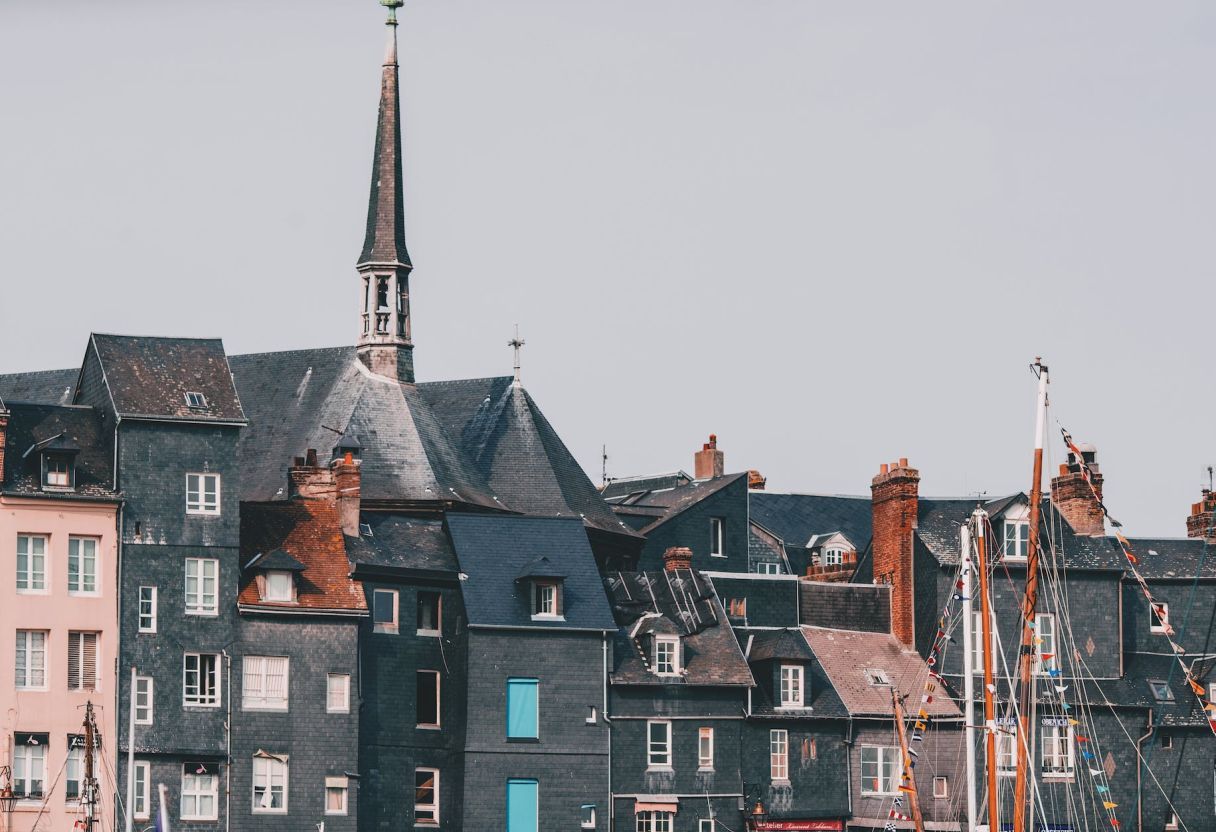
{"x":1029,"y":607}
{"x":89,"y":785}
{"x":981,"y":564}
{"x":908,"y":776}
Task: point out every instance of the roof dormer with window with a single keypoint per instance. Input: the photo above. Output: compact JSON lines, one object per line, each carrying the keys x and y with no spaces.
{"x":543,"y":581}
{"x":57,"y":459}
{"x":277,"y":576}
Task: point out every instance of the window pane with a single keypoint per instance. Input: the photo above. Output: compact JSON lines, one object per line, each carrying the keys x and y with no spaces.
{"x":522,"y":717}
{"x":523,"y":805}
{"x":428,"y":697}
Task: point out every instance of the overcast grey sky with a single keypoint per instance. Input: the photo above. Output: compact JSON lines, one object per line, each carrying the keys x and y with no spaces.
{"x":833,"y":233}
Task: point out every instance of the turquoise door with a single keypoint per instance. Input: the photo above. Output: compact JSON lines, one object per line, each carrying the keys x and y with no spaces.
{"x":522,"y":805}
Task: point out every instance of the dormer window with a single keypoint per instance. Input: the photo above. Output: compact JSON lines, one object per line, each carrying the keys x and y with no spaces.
{"x":877,"y":678}
{"x":792,"y":686}
{"x":543,"y":583}
{"x":833,"y":556}
{"x":57,"y":460}
{"x":1017,"y":539}
{"x":57,"y":471}
{"x":667,"y":655}
{"x":546,"y":599}
{"x":195,"y":401}
{"x":276,"y":576}
{"x":280,"y":586}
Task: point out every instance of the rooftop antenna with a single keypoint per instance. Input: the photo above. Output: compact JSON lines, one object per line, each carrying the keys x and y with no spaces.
{"x":604,"y":466}
{"x":516,"y":343}
{"x":1210,"y":488}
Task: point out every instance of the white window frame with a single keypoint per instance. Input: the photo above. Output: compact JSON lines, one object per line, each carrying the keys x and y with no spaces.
{"x":833,"y":556}
{"x":386,"y":626}
{"x":667,"y":655}
{"x":77,"y":578}
{"x":279,"y":580}
{"x":1062,"y":763}
{"x":338,"y":785}
{"x":1007,"y":751}
{"x":658,"y":752}
{"x":432,"y":807}
{"x":546,"y":601}
{"x":24,"y":759}
{"x":202,"y":602}
{"x":73,"y":773}
{"x":1159,"y":625}
{"x":793,"y":691}
{"x":195,"y":400}
{"x":587,"y":816}
{"x":342,"y":707}
{"x":877,"y":677}
{"x":83,"y":682}
{"x":705,"y":825}
{"x":57,"y":471}
{"x":941,"y":787}
{"x":37,"y":580}
{"x":146,"y":609}
{"x":438,"y":598}
{"x":190,"y":789}
{"x":1044,"y":643}
{"x":649,"y":821}
{"x":705,"y":749}
{"x":768,"y":567}
{"x":257,"y":673}
{"x":885,"y":766}
{"x":1171,"y":821}
{"x":199,"y":700}
{"x":779,"y":755}
{"x":1020,"y":540}
{"x":196,"y":494}
{"x":268,"y":771}
{"x":25,"y":675}
{"x":717,"y":537}
{"x":144,"y":693}
{"x":142,"y":806}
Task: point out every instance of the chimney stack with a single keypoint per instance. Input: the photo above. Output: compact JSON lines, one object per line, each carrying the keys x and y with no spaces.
{"x":306,"y":480}
{"x":1073,"y":497}
{"x":1203,"y":515}
{"x":755,"y":480}
{"x":895,"y":500}
{"x":348,"y":486}
{"x":709,"y":461}
{"x":677,"y":557}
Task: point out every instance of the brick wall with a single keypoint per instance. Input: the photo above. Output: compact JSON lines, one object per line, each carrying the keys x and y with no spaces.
{"x":895,"y":500}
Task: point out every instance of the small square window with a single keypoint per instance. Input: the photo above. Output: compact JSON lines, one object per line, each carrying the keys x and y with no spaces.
{"x":705,"y":825}
{"x":384,"y":610}
{"x":1160,"y":690}
{"x":1171,"y":821}
{"x":1167,"y":741}
{"x":1159,"y":618}
{"x":280,"y":587}
{"x":58,"y":470}
{"x":336,"y":791}
{"x":877,"y":677}
{"x":196,"y":400}
{"x":941,"y":788}
{"x":587,"y":816}
{"x":737,"y":608}
{"x":202,"y":493}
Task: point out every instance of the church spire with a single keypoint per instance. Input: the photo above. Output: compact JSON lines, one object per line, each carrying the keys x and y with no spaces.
{"x":384,"y":265}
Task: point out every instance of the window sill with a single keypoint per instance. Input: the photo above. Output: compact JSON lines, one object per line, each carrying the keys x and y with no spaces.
{"x":337,"y":710}
{"x":659,"y":769}
{"x":429,"y":633}
{"x":200,"y":706}
{"x":33,"y":690}
{"x":33,"y":592}
{"x":385,"y":628}
{"x":545,"y":617}
{"x":329,"y":814}
{"x":781,"y":781}
{"x":428,"y":727}
{"x":204,"y":613}
{"x":528,"y":740}
{"x":201,"y":513}
{"x":268,"y":811}
{"x":84,"y":593}
{"x":1058,"y":778}
{"x":716,"y":555}
{"x":703,"y":769}
{"x":194,"y":818}
{"x":272,"y":709}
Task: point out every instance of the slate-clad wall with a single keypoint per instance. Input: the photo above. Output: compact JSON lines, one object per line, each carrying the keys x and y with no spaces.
{"x":771,"y":601}
{"x":318,"y":744}
{"x":941,"y":754}
{"x":629,"y":757}
{"x":570,"y":758}
{"x":390,"y":743}
{"x":662,"y":701}
{"x":862,"y":607}
{"x":1190,"y":631}
{"x":818,"y":767}
{"x":691,"y":528}
{"x":693,"y":809}
{"x":1181,"y":770}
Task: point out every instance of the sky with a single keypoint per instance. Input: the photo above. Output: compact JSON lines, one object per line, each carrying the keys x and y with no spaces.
{"x":832,"y":233}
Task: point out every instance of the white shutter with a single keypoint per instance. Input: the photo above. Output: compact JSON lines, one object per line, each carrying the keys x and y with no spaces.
{"x":74,"y":680}
{"x":89,"y":661}
{"x":276,"y":681}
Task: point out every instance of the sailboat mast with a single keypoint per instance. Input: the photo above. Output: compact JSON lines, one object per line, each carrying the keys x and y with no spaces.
{"x":1029,"y":607}
{"x":968,"y":673}
{"x":89,"y":790}
{"x":909,"y":777}
{"x":980,"y":517}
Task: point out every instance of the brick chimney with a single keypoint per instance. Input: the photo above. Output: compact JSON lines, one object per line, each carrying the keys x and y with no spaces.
{"x":755,"y":480}
{"x":1203,"y":514}
{"x":677,"y":557}
{"x":1073,"y":497}
{"x":895,"y":497}
{"x":709,"y":461}
{"x":348,"y":484}
{"x":307,"y":480}
{"x":3,"y":438}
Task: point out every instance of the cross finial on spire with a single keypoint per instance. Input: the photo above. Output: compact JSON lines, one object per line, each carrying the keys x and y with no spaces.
{"x":516,"y":343}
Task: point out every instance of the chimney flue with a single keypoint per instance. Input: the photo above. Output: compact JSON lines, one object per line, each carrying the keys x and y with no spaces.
{"x":348,"y":482}
{"x":895,"y":501}
{"x":1203,"y":517}
{"x":709,"y":462}
{"x":1074,"y":499}
{"x":677,"y":557}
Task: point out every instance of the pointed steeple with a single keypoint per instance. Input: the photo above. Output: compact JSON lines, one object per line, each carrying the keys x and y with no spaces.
{"x":384,"y":265}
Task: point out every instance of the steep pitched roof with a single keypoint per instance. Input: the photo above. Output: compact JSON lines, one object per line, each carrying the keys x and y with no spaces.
{"x":624,"y":487}
{"x":400,"y":542}
{"x":384,"y":241}
{"x":149,"y":377}
{"x":41,"y":387}
{"x":501,"y":429}
{"x":789,"y":644}
{"x":34,"y":425}
{"x":796,"y":518}
{"x":308,"y":532}
{"x":494,"y":549}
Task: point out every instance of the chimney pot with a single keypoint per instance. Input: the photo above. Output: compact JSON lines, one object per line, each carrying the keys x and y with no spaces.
{"x":903,"y":462}
{"x":709,"y":462}
{"x":882,"y":469}
{"x":310,"y":457}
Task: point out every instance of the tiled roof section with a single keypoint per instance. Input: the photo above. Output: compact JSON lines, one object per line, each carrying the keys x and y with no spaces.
{"x":796,"y":518}
{"x":821,"y":699}
{"x":618,"y":490}
{"x":30,"y":424}
{"x":865,"y":607}
{"x":311,"y":533}
{"x":845,"y":656}
{"x":682,"y":602}
{"x":312,"y":398}
{"x":762,"y":545}
{"x":493,"y":549}
{"x":276,"y":559}
{"x":42,"y":387}
{"x":1169,"y":557}
{"x":149,"y":376}
{"x":1132,"y":689}
{"x":501,"y":429}
{"x":398,"y":541}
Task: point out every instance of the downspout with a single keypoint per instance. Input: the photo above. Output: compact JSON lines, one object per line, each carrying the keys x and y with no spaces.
{"x":228,"y":741}
{"x":848,"y":769}
{"x":608,"y":722}
{"x":1139,"y":769}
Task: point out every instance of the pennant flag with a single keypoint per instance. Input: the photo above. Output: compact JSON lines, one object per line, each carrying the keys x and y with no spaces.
{"x":1095,"y":772}
{"x":1106,"y":804}
{"x":1195,"y":686}
{"x":1102,"y":789}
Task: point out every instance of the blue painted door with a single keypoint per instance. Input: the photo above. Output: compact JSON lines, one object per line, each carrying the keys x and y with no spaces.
{"x":522,"y":805}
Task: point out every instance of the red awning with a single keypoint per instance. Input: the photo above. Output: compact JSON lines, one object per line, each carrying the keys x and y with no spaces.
{"x":655,"y":807}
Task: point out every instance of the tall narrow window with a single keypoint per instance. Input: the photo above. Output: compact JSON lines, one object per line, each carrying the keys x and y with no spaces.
{"x":791,"y":686}
{"x":1159,"y":618}
{"x":29,"y":765}
{"x":878,"y":769}
{"x":426,"y":796}
{"x":1007,"y":750}
{"x":658,"y":744}
{"x":201,"y":680}
{"x":384,"y":610}
{"x":523,"y":805}
{"x":1057,"y":751}
{"x":200,"y":792}
{"x":202,"y":493}
{"x":705,"y":749}
{"x":337,"y":693}
{"x":82,"y":661}
{"x":31,"y":563}
{"x":667,"y":655}
{"x":143,"y":779}
{"x":1017,"y":539}
{"x":264,"y":683}
{"x":523,"y":709}
{"x":147,"y":609}
{"x":202,"y":586}
{"x":73,"y":769}
{"x":546,"y":599}
{"x":779,"y":754}
{"x":143,"y":700}
{"x":269,"y":784}
{"x":31,"y":660}
{"x":427,"y":683}
{"x":82,"y":565}
{"x":1045,"y":642}
{"x":428,"y":613}
{"x":977,"y":642}
{"x":717,"y":536}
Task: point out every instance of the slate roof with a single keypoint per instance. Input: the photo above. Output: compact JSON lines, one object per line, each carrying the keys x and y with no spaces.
{"x":312,"y":398}
{"x":762,"y":545}
{"x":1132,"y":689}
{"x":43,"y":386}
{"x":846,"y":606}
{"x":512,"y":445}
{"x":276,"y":559}
{"x":310,"y":533}
{"x":796,"y":518}
{"x":623,"y":487}
{"x":666,"y":503}
{"x":399,"y":541}
{"x":846,"y":654}
{"x":30,"y":424}
{"x":779,"y":644}
{"x":1169,"y":557}
{"x":681,"y":602}
{"x":493,"y":549}
{"x":819,"y":697}
{"x":149,"y":376}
